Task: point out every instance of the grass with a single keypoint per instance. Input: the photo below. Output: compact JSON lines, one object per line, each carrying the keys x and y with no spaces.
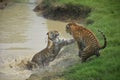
{"x":104,"y":68}
{"x":105,"y":14}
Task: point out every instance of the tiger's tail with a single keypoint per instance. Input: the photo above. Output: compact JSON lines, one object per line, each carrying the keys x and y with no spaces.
{"x":105,"y":40}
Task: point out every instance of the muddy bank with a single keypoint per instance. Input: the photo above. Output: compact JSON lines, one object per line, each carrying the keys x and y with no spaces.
{"x":61,"y":12}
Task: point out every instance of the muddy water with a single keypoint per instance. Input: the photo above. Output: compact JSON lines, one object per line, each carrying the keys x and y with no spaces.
{"x":22,"y":34}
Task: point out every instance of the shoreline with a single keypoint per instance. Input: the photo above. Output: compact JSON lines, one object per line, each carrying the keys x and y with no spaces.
{"x":64,"y":13}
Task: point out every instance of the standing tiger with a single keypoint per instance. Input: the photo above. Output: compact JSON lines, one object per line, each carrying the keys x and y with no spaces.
{"x":52,"y":49}
{"x":87,"y":42}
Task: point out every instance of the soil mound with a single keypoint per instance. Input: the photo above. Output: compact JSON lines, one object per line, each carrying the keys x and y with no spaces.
{"x":68,"y":12}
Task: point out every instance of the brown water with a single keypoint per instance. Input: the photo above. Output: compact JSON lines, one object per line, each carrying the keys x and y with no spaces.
{"x":22,"y":35}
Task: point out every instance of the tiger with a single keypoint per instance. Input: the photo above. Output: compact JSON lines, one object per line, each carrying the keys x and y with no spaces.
{"x":52,"y":49}
{"x":87,"y":41}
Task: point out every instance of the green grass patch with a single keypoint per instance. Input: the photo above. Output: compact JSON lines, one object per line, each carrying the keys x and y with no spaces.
{"x":105,"y":67}
{"x":105,"y":14}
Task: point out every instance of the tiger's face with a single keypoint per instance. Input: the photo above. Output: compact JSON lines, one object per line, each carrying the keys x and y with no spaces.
{"x":53,"y":34}
{"x":69,"y":26}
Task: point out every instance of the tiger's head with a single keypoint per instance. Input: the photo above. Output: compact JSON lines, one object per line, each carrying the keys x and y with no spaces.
{"x":69,"y":27}
{"x":52,"y":35}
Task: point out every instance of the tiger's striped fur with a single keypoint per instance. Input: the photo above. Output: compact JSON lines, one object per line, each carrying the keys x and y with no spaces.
{"x":52,"y":49}
{"x":87,"y":42}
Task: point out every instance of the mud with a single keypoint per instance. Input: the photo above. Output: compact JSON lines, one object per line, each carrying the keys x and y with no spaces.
{"x":66,"y":13}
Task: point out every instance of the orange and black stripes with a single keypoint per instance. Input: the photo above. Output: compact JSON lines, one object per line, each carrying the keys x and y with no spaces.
{"x":85,"y":36}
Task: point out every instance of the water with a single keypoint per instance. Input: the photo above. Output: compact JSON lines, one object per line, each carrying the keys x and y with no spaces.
{"x":22,"y":34}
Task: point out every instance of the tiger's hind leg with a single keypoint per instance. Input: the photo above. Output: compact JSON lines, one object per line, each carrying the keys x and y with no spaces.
{"x":86,"y":53}
{"x":83,"y":58}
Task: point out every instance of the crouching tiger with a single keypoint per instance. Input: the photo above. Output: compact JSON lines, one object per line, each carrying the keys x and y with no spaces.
{"x":52,"y":49}
{"x":87,"y":42}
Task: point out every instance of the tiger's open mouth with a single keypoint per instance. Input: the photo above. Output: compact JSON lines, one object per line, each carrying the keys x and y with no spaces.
{"x":54,"y":36}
